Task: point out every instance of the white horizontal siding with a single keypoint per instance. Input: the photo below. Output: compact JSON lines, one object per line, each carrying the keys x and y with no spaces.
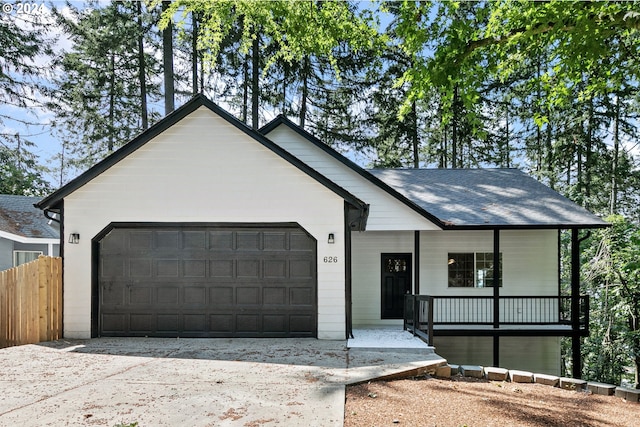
{"x":386,"y":212}
{"x":204,"y":169}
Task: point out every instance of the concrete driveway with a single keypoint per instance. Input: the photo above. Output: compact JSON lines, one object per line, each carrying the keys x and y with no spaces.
{"x":190,"y":382}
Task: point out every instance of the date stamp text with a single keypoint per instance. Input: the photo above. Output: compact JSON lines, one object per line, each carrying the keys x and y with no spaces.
{"x":22,"y":8}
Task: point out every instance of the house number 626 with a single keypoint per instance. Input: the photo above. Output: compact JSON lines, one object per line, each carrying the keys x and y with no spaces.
{"x":330,"y":259}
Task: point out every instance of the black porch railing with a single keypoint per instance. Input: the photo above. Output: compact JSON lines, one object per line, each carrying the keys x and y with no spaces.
{"x":425,"y":315}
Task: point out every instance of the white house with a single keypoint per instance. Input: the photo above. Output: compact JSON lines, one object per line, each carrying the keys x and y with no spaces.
{"x":203,"y":227}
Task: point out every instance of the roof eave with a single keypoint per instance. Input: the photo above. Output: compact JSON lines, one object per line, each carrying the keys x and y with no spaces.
{"x":559,"y":226}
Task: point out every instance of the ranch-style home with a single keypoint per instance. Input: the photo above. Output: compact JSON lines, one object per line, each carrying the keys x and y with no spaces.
{"x":203,"y":227}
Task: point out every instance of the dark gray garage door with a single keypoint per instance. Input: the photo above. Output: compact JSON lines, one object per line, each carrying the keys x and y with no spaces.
{"x":214,"y":281}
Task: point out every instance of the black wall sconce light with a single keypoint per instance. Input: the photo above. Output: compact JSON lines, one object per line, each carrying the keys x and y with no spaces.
{"x":74,"y":238}
{"x":331,"y":239}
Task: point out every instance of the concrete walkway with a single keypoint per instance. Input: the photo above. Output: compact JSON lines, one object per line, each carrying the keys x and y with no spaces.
{"x":194,"y":382}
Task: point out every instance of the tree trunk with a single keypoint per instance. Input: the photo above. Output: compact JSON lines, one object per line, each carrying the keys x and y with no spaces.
{"x":245,"y":89}
{"x":255,"y":81}
{"x":549,"y":156}
{"x":167,"y":59}
{"x":454,"y":130}
{"x":414,"y":136}
{"x":613,"y":205}
{"x":506,"y":161}
{"x":112,"y":102}
{"x":194,"y":53}
{"x":141,"y":70}
{"x":305,"y":91}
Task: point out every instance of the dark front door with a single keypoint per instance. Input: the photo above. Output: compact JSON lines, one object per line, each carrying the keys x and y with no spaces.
{"x":396,"y":282}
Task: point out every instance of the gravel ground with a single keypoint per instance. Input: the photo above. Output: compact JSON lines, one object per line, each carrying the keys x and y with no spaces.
{"x":427,"y":402}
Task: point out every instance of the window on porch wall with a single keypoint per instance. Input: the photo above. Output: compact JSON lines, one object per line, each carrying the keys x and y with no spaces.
{"x":472,"y":270}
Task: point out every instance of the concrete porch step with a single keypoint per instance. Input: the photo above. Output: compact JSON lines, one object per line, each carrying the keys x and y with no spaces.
{"x":392,"y":339}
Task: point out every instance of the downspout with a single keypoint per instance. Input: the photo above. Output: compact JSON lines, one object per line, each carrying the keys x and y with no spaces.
{"x":354,"y":219}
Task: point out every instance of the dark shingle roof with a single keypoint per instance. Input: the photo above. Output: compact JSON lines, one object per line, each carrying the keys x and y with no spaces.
{"x":487,"y":197}
{"x":18,"y":216}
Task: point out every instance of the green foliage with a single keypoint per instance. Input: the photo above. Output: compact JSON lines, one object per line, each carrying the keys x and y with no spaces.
{"x":20,"y":173}
{"x":612,"y":277}
{"x":285,"y":23}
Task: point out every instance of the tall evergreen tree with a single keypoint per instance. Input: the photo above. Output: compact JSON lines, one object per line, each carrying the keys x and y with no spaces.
{"x":22,"y":43}
{"x":98,"y":88}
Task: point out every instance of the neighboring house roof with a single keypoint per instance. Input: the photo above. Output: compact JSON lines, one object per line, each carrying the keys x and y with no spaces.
{"x":54,"y":200}
{"x":487,"y":198}
{"x":468,"y":198}
{"x":20,"y":219}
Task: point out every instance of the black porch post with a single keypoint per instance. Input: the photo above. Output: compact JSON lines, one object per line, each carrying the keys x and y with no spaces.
{"x":496,"y":296}
{"x":416,"y":262}
{"x":347,"y":273}
{"x":575,"y":304}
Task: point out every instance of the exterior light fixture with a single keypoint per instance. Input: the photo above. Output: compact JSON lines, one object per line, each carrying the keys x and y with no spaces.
{"x":331,"y":239}
{"x":74,"y":238}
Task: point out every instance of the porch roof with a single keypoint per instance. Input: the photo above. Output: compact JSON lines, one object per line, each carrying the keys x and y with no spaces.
{"x":487,"y":198}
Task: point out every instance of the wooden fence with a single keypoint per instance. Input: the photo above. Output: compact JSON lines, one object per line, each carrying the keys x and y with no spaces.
{"x":31,"y":302}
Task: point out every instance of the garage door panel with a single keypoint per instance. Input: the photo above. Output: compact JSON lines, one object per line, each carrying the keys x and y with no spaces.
{"x":208,"y":282}
{"x":168,"y":296}
{"x":221,"y":268}
{"x":221,"y":323}
{"x":274,"y":296}
{"x":300,"y":323}
{"x":247,"y":241}
{"x":195,"y":296}
{"x":275,"y":269}
{"x":195,"y":268}
{"x":301,"y":296}
{"x":301,"y":242}
{"x":167,"y":267}
{"x":248,"y":269}
{"x":166,"y":239}
{"x":139,"y":267}
{"x":139,"y":295}
{"x":247,"y":295}
{"x":301,"y":269}
{"x":113,"y":266}
{"x":167,"y":323}
{"x":221,"y":240}
{"x":221,"y":295}
{"x":140,"y":240}
{"x":194,"y":239}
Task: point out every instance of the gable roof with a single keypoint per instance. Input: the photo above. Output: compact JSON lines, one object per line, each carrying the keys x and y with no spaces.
{"x":467,"y":198}
{"x":54,"y":200}
{"x":19,"y":217}
{"x":488,"y":198}
{"x":282,"y":120}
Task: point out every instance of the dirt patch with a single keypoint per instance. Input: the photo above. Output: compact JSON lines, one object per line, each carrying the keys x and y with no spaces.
{"x":429,"y":402}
